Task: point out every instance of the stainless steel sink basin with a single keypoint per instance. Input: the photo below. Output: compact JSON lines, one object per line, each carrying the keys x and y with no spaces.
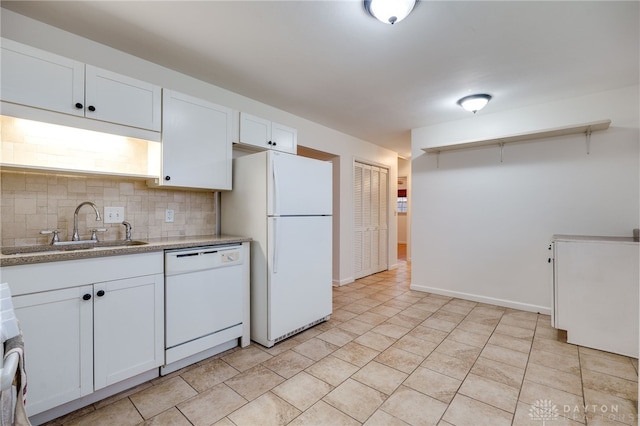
{"x":70,"y":246}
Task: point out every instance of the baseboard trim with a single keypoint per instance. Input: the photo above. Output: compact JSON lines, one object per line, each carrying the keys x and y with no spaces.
{"x":483,"y":299}
{"x":338,"y":283}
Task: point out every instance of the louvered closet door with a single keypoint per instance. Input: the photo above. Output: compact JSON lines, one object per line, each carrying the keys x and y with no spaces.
{"x":370,"y":219}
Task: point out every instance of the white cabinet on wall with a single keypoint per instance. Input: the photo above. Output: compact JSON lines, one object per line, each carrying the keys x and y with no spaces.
{"x":371,"y":194}
{"x":82,"y":338}
{"x":197,"y":143}
{"x":258,"y":133}
{"x":35,"y":78}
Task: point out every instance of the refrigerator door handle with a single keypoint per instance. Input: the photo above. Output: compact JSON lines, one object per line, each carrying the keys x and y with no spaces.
{"x":275,"y":187}
{"x":275,"y":245}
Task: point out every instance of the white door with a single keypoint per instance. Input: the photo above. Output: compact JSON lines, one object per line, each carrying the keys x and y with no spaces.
{"x":128,"y":328}
{"x":370,"y":193}
{"x":123,"y":100}
{"x":298,"y":185}
{"x":196,"y":142}
{"x":299,"y":264}
{"x":58,"y":338}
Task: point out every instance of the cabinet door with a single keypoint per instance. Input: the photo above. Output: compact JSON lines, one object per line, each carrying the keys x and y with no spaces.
{"x":123,"y":100}
{"x":284,"y":138}
{"x":128,"y":328}
{"x":58,"y":339}
{"x":196,"y":143}
{"x":41,"y":79}
{"x":255,"y":131}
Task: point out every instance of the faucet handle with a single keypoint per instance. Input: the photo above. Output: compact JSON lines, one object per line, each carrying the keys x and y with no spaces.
{"x":127,"y":230}
{"x":55,"y":238}
{"x":94,"y":235}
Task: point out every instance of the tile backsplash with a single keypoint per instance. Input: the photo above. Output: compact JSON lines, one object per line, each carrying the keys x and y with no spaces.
{"x":31,"y":202}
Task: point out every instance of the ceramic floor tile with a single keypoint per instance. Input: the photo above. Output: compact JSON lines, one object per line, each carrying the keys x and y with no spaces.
{"x":448,"y":316}
{"x":254,"y":382}
{"x":439,"y":324}
{"x":513,"y":331}
{"x":624,"y":370}
{"x":448,"y":365}
{"x":337,"y":336}
{"x":211,"y":405}
{"x":356,"y":308}
{"x":506,"y":356}
{"x":246,"y":358}
{"x":265,"y":411}
{"x":378,"y":342}
{"x":399,"y":359}
{"x":355,"y":399}
{"x":172,"y":417}
{"x":322,"y":413}
{"x":391,"y":330}
{"x":413,"y":407}
{"x":417,"y":313}
{"x":315,"y":348}
{"x":371,"y":318}
{"x":416,"y":346}
{"x":436,"y":385}
{"x":302,"y":391}
{"x":509,"y":342}
{"x":283,"y":346}
{"x":551,"y":377}
{"x":459,"y":350}
{"x":479,"y":324}
{"x":119,"y":413}
{"x":498,"y":372}
{"x":342,"y":315}
{"x":288,"y":364}
{"x":528,"y":415}
{"x":380,"y":377}
{"x":387,"y":311}
{"x":209,"y":375}
{"x":429,"y":334}
{"x":603,"y":406}
{"x":404,"y":321}
{"x":356,"y":354}
{"x":382,"y":418}
{"x":356,"y":326}
{"x":570,"y":406}
{"x":465,"y":411}
{"x":622,"y":388}
{"x":555,"y":346}
{"x":156,"y":399}
{"x":332,"y":370}
{"x":490,"y":392}
{"x":469,"y":337}
{"x":457,"y":309}
{"x":607,"y":355}
{"x":509,"y":319}
{"x":570,"y":364}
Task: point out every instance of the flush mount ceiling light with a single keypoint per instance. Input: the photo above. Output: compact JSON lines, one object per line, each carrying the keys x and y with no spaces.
{"x":389,"y":11}
{"x":474,"y":103}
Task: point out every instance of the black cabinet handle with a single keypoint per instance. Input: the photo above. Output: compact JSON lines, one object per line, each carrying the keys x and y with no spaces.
{"x":549,"y":260}
{"x":100,"y":293}
{"x":91,"y":108}
{"x":270,"y":143}
{"x":86,"y":297}
{"x":274,"y":144}
{"x":167,"y":178}
{"x":79,"y":105}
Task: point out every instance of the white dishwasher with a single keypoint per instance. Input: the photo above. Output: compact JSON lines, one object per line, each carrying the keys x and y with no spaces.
{"x":203,"y":301}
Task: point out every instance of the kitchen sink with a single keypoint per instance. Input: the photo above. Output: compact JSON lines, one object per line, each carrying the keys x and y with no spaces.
{"x":70,"y":246}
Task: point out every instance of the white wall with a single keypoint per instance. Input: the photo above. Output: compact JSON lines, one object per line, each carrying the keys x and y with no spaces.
{"x":310,"y":134}
{"x":482,"y":227}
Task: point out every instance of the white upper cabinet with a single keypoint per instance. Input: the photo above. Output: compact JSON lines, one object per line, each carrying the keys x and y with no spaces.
{"x":39,"y":79}
{"x":196,"y":143}
{"x":259,"y":133}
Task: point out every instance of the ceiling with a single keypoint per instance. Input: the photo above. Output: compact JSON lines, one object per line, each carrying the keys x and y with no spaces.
{"x":330,"y":62}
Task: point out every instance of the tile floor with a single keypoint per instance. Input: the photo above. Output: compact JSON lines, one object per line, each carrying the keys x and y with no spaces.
{"x":392,"y":356}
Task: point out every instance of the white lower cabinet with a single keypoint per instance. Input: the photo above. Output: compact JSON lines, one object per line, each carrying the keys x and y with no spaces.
{"x":82,"y":338}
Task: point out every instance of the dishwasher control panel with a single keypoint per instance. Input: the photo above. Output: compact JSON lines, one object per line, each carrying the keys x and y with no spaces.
{"x":201,"y":258}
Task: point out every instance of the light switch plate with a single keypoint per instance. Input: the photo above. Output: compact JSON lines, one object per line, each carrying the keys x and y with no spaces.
{"x":169,"y":215}
{"x":113,"y":214}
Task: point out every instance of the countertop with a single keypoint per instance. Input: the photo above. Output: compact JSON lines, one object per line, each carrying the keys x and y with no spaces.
{"x":156,"y":244}
{"x":594,"y":238}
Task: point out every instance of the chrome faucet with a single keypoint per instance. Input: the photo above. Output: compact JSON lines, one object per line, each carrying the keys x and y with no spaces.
{"x":127,"y":227}
{"x":76,"y":236}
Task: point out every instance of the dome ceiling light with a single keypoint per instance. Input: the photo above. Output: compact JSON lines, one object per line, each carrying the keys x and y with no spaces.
{"x":474,"y":103}
{"x":389,"y":11}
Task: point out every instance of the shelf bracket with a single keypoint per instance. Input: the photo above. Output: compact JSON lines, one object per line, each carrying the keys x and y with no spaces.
{"x":587,"y":134}
{"x":501,"y":151}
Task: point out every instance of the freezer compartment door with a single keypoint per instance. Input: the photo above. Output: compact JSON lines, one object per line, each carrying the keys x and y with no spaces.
{"x":298,"y":186}
{"x":299,"y":286}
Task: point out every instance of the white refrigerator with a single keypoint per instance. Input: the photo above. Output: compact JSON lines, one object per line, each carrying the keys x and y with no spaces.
{"x":284,"y":203}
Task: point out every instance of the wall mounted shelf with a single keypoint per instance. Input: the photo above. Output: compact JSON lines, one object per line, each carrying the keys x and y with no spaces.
{"x":585,"y":128}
